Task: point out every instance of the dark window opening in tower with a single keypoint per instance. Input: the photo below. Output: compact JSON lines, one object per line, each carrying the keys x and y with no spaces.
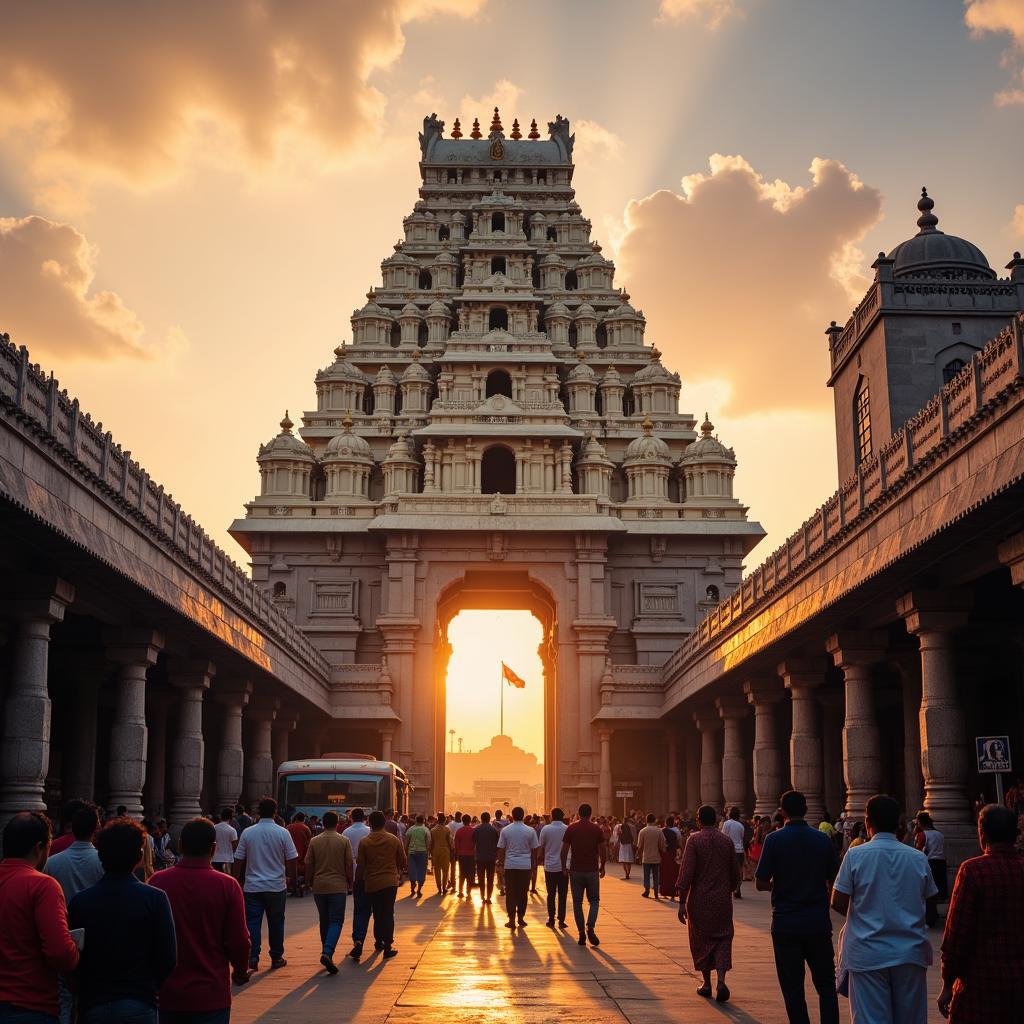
{"x":444,"y":233}
{"x":317,"y":484}
{"x":498,"y":471}
{"x":572,"y":336}
{"x":497,"y":222}
{"x":628,"y":403}
{"x":542,"y":177}
{"x":460,"y":276}
{"x":453,"y":177}
{"x":535,"y":276}
{"x":552,"y":235}
{"x":498,"y":265}
{"x":280,"y":591}
{"x":396,"y":335}
{"x":497,"y":176}
{"x":499,"y":383}
{"x":862,"y":421}
{"x":711,"y":593}
{"x":601,"y":336}
{"x":422,"y":335}
{"x":951,"y":369}
{"x":368,"y":403}
{"x":526,"y":224}
{"x":398,"y":401}
{"x":426,"y":282}
{"x":497,"y":320}
{"x":571,"y":281}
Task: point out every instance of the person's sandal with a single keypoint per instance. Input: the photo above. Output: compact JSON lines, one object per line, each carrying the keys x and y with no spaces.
{"x":722,"y":993}
{"x":704,"y":990}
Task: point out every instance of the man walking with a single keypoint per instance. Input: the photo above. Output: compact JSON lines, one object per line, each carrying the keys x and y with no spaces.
{"x":301,"y":835}
{"x":227,"y":840}
{"x":417,"y":846}
{"x":516,"y":850}
{"x":737,"y":832}
{"x":885,"y":951}
{"x":584,"y":842}
{"x":329,"y":874}
{"x":266,"y":857}
{"x":797,"y":865}
{"x":35,"y":945}
{"x":650,"y":845}
{"x":355,"y":834}
{"x":485,"y":852}
{"x":382,"y":860}
{"x":556,"y":879}
{"x":212,"y":936}
{"x":442,"y":852}
{"x":465,"y":851}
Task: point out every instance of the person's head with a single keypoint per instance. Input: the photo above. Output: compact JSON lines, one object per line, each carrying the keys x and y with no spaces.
{"x":419,"y":819}
{"x":119,"y":844}
{"x":330,"y":821}
{"x":377,"y":820}
{"x":497,"y":814}
{"x":225,"y":813}
{"x":924,"y":820}
{"x":651,"y":819}
{"x":198,"y":839}
{"x":670,"y":822}
{"x":467,"y":821}
{"x":858,"y":830}
{"x":27,"y":837}
{"x":706,"y":815}
{"x":585,"y":811}
{"x":298,"y":818}
{"x":793,"y":804}
{"x":883,"y":814}
{"x":734,"y":813}
{"x":69,"y":811}
{"x":121,"y":810}
{"x":517,"y":813}
{"x":391,"y":814}
{"x":557,"y":814}
{"x":267,"y":807}
{"x":239,"y":809}
{"x":358,"y":814}
{"x":84,"y":823}
{"x":997,"y":825}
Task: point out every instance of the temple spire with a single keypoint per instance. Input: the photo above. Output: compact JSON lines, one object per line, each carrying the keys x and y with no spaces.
{"x":457,"y":129}
{"x":475,"y":133}
{"x":927,"y":222}
{"x":534,"y":133}
{"x":496,"y":123}
{"x":516,"y":133}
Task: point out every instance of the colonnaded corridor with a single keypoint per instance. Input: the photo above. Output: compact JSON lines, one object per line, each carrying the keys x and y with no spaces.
{"x":457,"y":962}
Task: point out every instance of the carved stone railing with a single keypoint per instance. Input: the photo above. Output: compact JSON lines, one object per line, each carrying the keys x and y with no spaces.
{"x":90,"y":452}
{"x":959,"y":410}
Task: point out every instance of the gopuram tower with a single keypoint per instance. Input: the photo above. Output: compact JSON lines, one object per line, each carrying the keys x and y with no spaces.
{"x":498,"y":434}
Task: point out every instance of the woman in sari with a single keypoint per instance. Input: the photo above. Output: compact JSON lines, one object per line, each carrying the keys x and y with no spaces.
{"x":669,"y":863}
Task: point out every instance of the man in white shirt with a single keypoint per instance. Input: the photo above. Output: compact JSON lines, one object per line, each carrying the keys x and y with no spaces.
{"x":355,"y":833}
{"x":453,"y":826}
{"x":227,"y":840}
{"x":517,"y":846}
{"x":737,"y":832}
{"x":556,"y":881}
{"x":884,"y":947}
{"x":267,"y":857}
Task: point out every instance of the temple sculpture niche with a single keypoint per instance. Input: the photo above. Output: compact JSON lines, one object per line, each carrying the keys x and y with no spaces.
{"x":498,"y":432}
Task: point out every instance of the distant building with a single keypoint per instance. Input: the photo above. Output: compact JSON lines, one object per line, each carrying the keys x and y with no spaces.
{"x":484,"y":779}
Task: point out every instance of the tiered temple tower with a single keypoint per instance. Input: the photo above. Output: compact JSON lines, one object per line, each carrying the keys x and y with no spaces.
{"x":496,"y":434}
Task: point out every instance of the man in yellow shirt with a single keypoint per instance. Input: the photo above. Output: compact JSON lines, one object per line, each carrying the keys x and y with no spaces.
{"x":329,"y":875}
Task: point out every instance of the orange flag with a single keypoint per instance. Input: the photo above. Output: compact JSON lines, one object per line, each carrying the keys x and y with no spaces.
{"x":510,"y":677}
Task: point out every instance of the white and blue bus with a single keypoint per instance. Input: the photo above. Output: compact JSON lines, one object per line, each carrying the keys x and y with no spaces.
{"x":342,"y":782}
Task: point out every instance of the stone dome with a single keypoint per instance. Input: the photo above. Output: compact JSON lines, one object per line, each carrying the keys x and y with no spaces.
{"x":437,"y":308}
{"x":348,"y":447}
{"x":707,"y":448}
{"x":286,"y":445}
{"x":623,"y":309}
{"x":444,"y":256}
{"x":346,"y":370}
{"x":581,"y":371}
{"x":372,"y":309}
{"x":931,"y":251}
{"x":401,"y":450}
{"x":410,"y":309}
{"x":414,"y":371}
{"x":551,"y":260}
{"x":593,"y":450}
{"x":611,"y":376}
{"x":586,"y":311}
{"x":653,"y":371}
{"x":384,"y":375}
{"x":558,"y":308}
{"x":647,"y":447}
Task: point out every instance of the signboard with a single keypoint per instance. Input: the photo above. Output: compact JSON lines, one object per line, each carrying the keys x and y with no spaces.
{"x":623,"y":794}
{"x":993,"y":754}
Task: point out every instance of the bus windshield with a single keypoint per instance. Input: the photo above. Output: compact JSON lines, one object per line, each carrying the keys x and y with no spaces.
{"x":337,"y":790}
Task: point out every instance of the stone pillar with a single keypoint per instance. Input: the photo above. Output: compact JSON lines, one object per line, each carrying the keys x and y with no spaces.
{"x":259,"y":759}
{"x":802,"y":677}
{"x":855,"y":652}
{"x":386,"y":738}
{"x":693,"y":758}
{"x":134,"y":651}
{"x":933,"y":616}
{"x":710,"y":727}
{"x":80,"y":770}
{"x":230,"y":757}
{"x":672,"y":757}
{"x":910,"y":680}
{"x":764,"y":694}
{"x":832,"y":703}
{"x":604,"y":784}
{"x":284,"y":725}
{"x":190,"y":679}
{"x":733,"y":709}
{"x":154,"y":793}
{"x":25,"y":739}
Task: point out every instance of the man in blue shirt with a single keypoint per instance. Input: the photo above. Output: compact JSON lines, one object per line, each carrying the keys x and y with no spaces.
{"x":798,"y":864}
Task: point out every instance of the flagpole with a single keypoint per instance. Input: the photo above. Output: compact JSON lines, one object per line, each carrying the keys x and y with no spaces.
{"x":501,"y":698}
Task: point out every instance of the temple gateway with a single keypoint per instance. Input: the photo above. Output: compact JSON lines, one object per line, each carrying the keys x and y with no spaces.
{"x":498,"y":432}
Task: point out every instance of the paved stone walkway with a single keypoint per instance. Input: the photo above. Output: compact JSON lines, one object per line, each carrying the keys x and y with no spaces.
{"x":458,"y":963}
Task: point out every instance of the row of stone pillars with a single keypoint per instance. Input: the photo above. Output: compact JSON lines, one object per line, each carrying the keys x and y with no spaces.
{"x":138,"y":736}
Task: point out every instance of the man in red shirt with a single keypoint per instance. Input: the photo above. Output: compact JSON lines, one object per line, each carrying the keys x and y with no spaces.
{"x":465,"y":851}
{"x":209,"y":922}
{"x":584,"y":839}
{"x":301,"y":837}
{"x":35,"y":945}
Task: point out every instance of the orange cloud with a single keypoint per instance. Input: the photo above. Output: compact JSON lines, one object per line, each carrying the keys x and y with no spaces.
{"x":45,"y":300}
{"x":1018,"y":221}
{"x":711,"y":12}
{"x":998,"y":16}
{"x":739,"y":276}
{"x":133,"y":92}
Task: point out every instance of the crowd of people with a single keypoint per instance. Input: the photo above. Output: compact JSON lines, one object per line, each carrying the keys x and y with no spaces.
{"x":114,"y":922}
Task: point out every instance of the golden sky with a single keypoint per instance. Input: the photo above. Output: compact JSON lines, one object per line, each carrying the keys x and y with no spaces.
{"x":195,"y":196}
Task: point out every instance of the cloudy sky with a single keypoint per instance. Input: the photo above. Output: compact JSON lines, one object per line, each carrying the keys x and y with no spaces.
{"x":194,"y":196}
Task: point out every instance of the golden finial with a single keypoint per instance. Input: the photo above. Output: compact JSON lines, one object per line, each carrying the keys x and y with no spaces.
{"x":496,"y":122}
{"x":707,"y":428}
{"x":581,"y":355}
{"x":534,"y":134}
{"x":648,"y":425}
{"x":457,"y":130}
{"x":516,"y":133}
{"x":655,"y":354}
{"x":475,"y":133}
{"x":347,"y":423}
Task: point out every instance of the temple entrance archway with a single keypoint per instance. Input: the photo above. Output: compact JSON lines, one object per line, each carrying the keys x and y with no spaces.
{"x":498,"y":471}
{"x":496,"y":590}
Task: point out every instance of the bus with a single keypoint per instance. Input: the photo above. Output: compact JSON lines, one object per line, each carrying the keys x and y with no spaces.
{"x":342,"y":782}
